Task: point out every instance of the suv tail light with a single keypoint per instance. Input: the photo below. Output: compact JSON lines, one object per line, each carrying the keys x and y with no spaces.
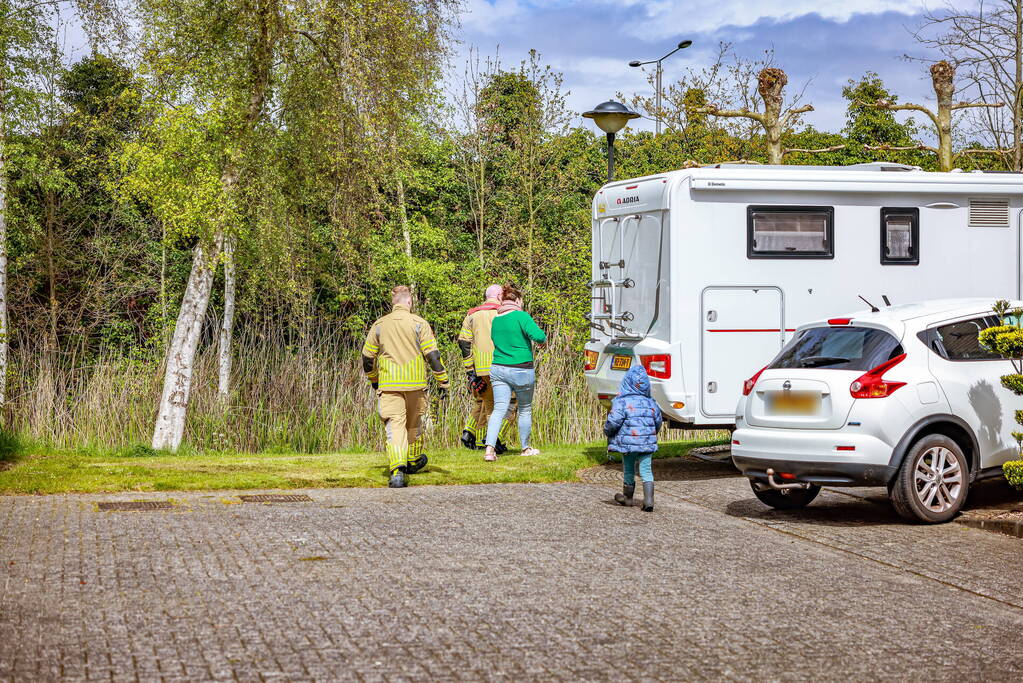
{"x":657,"y":365}
{"x":747,"y":386}
{"x":873,"y":384}
{"x":591,"y":360}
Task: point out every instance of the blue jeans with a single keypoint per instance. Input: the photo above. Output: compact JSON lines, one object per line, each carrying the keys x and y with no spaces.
{"x":505,"y":380}
{"x":646,"y":473}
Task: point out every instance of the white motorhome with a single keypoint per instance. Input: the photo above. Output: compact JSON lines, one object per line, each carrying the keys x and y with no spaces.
{"x":703,"y":274}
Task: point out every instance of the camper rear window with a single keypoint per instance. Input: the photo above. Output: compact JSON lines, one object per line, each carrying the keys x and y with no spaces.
{"x":790,"y":232}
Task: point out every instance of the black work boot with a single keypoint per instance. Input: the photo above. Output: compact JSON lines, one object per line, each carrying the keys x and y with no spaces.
{"x":625,"y":497}
{"x":500,"y":448}
{"x":648,"y":496}
{"x":417,"y":464}
{"x":468,"y":439}
{"x":397,"y":480}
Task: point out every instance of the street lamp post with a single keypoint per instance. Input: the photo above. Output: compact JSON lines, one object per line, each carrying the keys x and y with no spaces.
{"x":611,"y":117}
{"x":681,"y":46}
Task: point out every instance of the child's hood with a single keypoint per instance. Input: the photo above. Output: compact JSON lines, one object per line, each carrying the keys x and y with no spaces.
{"x":635,"y":383}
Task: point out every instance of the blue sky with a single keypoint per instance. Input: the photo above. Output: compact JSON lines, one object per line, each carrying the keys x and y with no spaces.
{"x":826,"y":42}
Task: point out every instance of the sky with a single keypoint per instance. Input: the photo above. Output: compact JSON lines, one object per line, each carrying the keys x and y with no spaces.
{"x":821,"y":42}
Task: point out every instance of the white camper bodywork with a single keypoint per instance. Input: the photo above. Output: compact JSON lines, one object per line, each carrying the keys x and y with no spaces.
{"x":675,"y":271}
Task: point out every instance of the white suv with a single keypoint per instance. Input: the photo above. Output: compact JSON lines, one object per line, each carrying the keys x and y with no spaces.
{"x":904,"y":397}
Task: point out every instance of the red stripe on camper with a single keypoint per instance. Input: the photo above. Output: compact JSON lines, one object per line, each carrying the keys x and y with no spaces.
{"x":757,"y":330}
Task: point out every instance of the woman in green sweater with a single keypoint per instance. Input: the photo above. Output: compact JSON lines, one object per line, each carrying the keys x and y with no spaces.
{"x":513,"y":332}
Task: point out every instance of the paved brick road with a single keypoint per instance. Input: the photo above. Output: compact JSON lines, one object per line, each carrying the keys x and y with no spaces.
{"x":503,"y":582}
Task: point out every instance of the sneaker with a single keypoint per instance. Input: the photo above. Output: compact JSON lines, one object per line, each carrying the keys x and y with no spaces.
{"x":491,"y":455}
{"x":527,"y":452}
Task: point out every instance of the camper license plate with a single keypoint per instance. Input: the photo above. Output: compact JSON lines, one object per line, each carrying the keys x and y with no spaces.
{"x":621,"y":362}
{"x":793,"y":403}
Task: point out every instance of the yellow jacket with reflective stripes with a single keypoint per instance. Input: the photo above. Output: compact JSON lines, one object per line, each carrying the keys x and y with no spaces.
{"x":398,"y":345}
{"x":476,"y":331}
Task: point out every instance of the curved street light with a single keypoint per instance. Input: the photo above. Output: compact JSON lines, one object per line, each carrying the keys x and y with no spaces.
{"x":681,"y":46}
{"x":611,"y":117}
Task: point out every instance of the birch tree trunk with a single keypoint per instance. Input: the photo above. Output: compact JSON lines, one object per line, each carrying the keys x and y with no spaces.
{"x":3,"y":236}
{"x":1017,"y":101}
{"x":406,"y":235}
{"x":227,"y":324}
{"x":177,"y":382}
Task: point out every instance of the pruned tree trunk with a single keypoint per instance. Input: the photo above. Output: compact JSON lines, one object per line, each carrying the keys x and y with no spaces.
{"x":942,"y":77}
{"x":227,"y":324}
{"x":943,"y":81}
{"x":177,"y":383}
{"x":771,"y":82}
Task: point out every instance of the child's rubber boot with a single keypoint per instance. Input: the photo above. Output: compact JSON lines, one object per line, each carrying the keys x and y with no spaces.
{"x":397,"y":480}
{"x":625,"y":497}
{"x":417,"y":464}
{"x":648,"y":496}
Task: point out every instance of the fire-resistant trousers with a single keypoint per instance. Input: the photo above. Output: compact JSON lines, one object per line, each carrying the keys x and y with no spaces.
{"x":482,"y":407}
{"x":402,"y":413}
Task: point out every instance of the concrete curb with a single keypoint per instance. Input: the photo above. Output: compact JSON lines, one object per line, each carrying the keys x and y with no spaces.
{"x":1003,"y":526}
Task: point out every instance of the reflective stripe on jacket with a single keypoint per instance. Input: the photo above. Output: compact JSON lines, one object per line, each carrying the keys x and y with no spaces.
{"x":476,"y":331}
{"x":398,"y":343}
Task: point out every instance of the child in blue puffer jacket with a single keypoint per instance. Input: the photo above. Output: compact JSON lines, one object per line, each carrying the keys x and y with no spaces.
{"x":632,"y":427}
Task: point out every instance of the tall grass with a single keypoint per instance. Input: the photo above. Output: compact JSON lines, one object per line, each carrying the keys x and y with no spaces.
{"x":309,"y":397}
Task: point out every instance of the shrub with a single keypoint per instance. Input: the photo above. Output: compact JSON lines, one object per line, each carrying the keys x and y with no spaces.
{"x":1007,"y":341}
{"x":1014,"y":473}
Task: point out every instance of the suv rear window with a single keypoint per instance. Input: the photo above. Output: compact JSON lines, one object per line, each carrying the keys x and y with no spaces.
{"x":839,"y":348}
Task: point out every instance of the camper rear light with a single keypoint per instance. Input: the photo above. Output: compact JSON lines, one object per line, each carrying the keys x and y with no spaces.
{"x":873,"y":384}
{"x":657,"y":365}
{"x":747,"y":386}
{"x":591,"y":360}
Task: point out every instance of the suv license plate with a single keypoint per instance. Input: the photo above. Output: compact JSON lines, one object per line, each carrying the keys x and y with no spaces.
{"x":794,"y":403}
{"x":621,"y":362}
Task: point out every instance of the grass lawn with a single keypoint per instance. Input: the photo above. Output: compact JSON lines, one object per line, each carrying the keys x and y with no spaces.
{"x":138,"y":470}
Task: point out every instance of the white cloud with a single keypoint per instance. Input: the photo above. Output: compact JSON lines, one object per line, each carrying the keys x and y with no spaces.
{"x":491,"y":18}
{"x":674,"y":17}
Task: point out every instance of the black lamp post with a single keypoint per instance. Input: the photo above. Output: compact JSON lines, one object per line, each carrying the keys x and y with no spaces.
{"x":611,"y":117}
{"x":681,"y":46}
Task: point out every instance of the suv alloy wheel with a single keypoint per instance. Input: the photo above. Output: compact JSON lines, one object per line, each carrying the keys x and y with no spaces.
{"x":932,"y":483}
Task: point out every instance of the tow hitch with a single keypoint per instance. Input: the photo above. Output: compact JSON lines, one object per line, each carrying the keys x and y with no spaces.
{"x":774,"y":484}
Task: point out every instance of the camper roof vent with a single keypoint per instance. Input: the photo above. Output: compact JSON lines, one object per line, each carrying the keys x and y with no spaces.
{"x":882,"y":166}
{"x":989,"y":213}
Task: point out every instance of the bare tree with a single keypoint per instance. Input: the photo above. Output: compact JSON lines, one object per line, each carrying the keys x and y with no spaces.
{"x":943,"y":80}
{"x":729,"y":82}
{"x":986,"y":46}
{"x":474,"y":149}
{"x":775,"y":119}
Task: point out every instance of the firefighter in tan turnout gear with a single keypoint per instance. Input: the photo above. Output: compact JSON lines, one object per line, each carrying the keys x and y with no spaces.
{"x":394,"y":357}
{"x":477,"y":355}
